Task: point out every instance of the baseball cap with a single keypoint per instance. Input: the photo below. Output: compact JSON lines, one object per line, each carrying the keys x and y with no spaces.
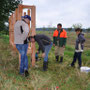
{"x":27,"y":16}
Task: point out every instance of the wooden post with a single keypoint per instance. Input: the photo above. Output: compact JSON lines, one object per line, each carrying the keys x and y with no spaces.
{"x":29,"y":23}
{"x":12,"y":29}
{"x":29,"y":46}
{"x":20,"y":12}
{"x":33,"y":25}
{"x":17,"y":16}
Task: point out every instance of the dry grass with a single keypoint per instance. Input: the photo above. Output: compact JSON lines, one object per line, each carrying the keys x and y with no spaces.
{"x":58,"y":76}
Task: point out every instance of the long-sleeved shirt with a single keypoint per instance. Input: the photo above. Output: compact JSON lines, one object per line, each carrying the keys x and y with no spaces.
{"x":42,"y":41}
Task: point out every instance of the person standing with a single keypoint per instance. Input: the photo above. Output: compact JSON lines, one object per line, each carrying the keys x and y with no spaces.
{"x":21,"y":31}
{"x":79,"y":46}
{"x":59,"y":41}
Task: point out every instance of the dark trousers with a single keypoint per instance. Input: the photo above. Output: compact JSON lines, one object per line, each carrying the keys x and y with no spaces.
{"x":77,"y":55}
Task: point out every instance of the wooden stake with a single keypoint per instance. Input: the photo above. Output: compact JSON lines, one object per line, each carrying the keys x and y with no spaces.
{"x":33,"y":25}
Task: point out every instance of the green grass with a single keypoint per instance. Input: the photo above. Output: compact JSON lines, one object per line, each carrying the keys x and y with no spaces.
{"x":58,"y":75}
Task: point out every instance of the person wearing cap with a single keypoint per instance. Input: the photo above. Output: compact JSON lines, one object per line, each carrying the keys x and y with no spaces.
{"x":59,"y":41}
{"x":45,"y":45}
{"x":21,"y":31}
{"x":79,"y":46}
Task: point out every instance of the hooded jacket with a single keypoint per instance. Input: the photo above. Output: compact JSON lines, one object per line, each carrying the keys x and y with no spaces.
{"x":79,"y":46}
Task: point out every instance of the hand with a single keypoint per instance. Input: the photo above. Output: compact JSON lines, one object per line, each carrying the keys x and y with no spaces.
{"x":54,"y":45}
{"x":37,"y":52}
{"x":43,"y":55}
{"x":63,"y":46}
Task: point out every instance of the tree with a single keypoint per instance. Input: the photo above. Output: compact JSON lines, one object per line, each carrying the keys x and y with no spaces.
{"x":6,"y":8}
{"x":79,"y":25}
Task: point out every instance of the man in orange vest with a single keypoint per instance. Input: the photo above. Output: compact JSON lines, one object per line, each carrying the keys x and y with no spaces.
{"x":59,"y":41}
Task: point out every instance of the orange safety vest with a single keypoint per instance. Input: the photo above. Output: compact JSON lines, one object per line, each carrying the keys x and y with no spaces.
{"x":63,"y":34}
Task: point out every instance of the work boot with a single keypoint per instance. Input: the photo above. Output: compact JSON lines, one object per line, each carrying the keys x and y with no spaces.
{"x":57,"y":58}
{"x":61,"y":59}
{"x":72,"y":65}
{"x":79,"y":66}
{"x":45,"y":66}
{"x":26,"y":73}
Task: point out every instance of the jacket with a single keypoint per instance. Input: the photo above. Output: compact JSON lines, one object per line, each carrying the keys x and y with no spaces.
{"x":21,"y":30}
{"x":60,"y":38}
{"x":79,"y":46}
{"x":42,"y":41}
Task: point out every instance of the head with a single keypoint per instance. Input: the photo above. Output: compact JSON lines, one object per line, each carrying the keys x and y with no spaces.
{"x":27,"y":18}
{"x":78,"y":31}
{"x":59,"y":26}
{"x":32,"y":38}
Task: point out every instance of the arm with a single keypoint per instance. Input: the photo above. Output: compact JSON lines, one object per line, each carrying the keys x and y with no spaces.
{"x":65,"y":38}
{"x":27,"y":40}
{"x":64,"y":41}
{"x":54,"y":40}
{"x":81,"y":39}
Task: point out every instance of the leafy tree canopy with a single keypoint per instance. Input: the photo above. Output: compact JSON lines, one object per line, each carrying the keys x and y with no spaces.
{"x":6,"y":8}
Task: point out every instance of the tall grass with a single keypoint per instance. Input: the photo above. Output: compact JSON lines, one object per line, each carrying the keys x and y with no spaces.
{"x":58,"y":76}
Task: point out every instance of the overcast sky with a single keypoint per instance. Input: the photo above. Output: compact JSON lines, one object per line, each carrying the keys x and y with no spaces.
{"x":67,"y":12}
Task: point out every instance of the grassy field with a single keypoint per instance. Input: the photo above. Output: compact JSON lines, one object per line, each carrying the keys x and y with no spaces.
{"x":58,"y":76}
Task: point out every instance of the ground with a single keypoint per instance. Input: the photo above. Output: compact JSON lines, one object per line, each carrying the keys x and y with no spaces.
{"x":58,"y":76}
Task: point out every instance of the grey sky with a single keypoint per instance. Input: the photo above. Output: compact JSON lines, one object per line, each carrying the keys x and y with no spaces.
{"x":67,"y":12}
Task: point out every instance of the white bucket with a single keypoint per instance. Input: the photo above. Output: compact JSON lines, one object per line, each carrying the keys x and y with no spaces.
{"x":85,"y":69}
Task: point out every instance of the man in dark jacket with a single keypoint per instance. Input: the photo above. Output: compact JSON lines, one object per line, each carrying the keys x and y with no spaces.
{"x":79,"y":46}
{"x":45,"y":45}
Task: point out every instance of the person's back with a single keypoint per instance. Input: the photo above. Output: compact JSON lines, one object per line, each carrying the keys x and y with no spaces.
{"x":43,"y":38}
{"x":21,"y":31}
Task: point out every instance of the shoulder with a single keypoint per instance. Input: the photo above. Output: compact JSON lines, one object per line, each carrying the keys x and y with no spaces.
{"x":17,"y":24}
{"x":20,"y":22}
{"x":64,"y":30}
{"x":24,"y":25}
{"x":81,"y":35}
{"x":55,"y":30}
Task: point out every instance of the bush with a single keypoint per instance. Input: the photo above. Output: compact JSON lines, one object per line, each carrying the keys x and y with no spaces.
{"x":4,"y":32}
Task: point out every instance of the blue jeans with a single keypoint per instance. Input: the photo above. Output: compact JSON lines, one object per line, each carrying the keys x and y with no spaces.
{"x":47,"y":49}
{"x":22,"y":48}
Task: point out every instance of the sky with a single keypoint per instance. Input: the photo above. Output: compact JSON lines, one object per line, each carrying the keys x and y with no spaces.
{"x":68,"y":12}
